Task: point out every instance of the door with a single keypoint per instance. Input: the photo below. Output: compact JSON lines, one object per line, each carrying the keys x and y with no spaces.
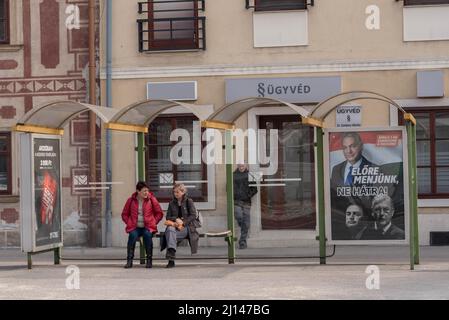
{"x":288,"y":196}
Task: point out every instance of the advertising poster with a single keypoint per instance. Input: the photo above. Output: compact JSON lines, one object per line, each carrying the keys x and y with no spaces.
{"x":47,"y":191}
{"x":366,"y":197}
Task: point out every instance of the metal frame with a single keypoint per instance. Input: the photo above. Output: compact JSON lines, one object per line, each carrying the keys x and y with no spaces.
{"x":55,"y":247}
{"x":411,"y":145}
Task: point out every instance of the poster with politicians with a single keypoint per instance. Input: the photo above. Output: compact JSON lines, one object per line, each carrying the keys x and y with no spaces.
{"x":367,"y":201}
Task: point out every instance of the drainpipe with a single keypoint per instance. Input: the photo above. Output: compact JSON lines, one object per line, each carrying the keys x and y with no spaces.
{"x":108,"y":133}
{"x":92,"y":231}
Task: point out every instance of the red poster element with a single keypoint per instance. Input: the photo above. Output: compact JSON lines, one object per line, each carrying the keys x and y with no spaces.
{"x":48,"y":199}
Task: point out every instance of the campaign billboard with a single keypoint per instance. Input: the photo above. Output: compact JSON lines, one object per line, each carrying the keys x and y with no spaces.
{"x":366,"y":185}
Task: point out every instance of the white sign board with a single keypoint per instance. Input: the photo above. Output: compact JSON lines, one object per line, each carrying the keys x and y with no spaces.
{"x":349,"y":116}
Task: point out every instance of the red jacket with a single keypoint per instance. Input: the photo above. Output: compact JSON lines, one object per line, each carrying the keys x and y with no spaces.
{"x":152,"y":213}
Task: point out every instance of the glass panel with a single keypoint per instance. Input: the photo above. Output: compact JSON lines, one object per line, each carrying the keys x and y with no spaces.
{"x":159,"y":132}
{"x":287,"y":197}
{"x":424,"y":184}
{"x":424,"y":2}
{"x":442,"y":180}
{"x":442,"y":152}
{"x":442,"y":125}
{"x":3,"y":173}
{"x":280,"y":4}
{"x":3,"y":143}
{"x":423,"y":153}
{"x":422,"y":126}
{"x":2,"y":30}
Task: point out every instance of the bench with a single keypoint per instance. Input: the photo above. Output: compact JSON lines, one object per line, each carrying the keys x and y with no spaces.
{"x":225,"y":234}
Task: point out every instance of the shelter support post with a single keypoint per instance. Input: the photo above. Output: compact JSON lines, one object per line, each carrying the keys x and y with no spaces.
{"x":141,"y":177}
{"x":412,"y":182}
{"x":320,"y":176}
{"x":230,"y":195}
{"x":29,"y":261}
{"x":414,"y":186}
{"x":57,"y":255}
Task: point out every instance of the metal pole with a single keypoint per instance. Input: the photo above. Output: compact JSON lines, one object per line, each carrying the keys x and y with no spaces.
{"x":411,"y":193}
{"x":92,"y":237}
{"x":29,"y":261}
{"x":141,"y":176}
{"x":108,"y":212}
{"x":230,"y":195}
{"x":415,"y":195}
{"x":320,"y":177}
{"x":57,"y":255}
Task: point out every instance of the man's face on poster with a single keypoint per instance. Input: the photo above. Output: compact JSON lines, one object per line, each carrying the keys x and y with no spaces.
{"x":351,"y":149}
{"x":383,"y":212}
{"x":353,"y":216}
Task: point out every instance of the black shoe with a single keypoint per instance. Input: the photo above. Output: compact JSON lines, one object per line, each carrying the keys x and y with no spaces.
{"x":242,"y":245}
{"x":149,"y":263}
{"x":129,"y":256}
{"x":129,"y":264}
{"x":149,"y":252}
{"x":171,"y":264}
{"x":171,"y":254}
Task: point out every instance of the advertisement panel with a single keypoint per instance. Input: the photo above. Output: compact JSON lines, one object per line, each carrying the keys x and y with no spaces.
{"x":366,"y":185}
{"x":40,"y":192}
{"x":47,"y":191}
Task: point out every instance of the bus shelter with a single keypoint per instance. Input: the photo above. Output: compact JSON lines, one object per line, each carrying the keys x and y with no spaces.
{"x":386,"y":139}
{"x":41,"y":173}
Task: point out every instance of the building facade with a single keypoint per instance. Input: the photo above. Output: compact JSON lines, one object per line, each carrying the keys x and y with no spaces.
{"x":43,"y":58}
{"x":211,"y":53}
{"x":215,"y":52}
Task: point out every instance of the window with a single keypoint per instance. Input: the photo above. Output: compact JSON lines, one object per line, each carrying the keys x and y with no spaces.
{"x":5,"y":163}
{"x":4,"y":21}
{"x":424,"y":2}
{"x":171,"y":25}
{"x":432,"y":148}
{"x":162,"y":173}
{"x":271,"y":5}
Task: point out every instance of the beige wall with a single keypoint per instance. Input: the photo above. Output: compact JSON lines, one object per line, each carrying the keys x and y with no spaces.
{"x":337,"y":32}
{"x":211,"y":90}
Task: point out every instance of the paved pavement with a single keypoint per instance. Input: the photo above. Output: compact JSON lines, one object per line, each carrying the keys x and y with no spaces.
{"x":270,"y":273}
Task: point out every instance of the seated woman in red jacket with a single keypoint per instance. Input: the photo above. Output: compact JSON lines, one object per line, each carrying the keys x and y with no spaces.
{"x":141,"y":215}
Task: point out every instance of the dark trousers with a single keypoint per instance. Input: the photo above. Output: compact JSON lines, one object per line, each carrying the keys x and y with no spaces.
{"x":141,"y":232}
{"x":242,"y":215}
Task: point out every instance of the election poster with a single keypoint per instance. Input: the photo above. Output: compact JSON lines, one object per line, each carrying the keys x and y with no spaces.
{"x":47,"y":191}
{"x":367,"y":185}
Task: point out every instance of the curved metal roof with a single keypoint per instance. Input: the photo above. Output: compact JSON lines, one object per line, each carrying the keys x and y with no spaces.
{"x":53,"y":116}
{"x":324,"y":108}
{"x":137,"y":116}
{"x":229,"y":113}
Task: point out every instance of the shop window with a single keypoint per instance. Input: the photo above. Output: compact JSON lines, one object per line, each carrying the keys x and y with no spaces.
{"x":171,"y":25}
{"x":4,"y":21}
{"x":5,"y":163}
{"x":272,"y":5}
{"x":432,"y":147}
{"x":161,"y":171}
{"x":424,"y":2}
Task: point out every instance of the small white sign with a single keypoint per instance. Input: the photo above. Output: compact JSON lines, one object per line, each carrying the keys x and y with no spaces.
{"x":349,"y":116}
{"x":165,"y":178}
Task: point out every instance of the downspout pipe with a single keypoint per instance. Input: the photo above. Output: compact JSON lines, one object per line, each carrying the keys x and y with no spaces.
{"x":108,"y":214}
{"x":92,"y":231}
